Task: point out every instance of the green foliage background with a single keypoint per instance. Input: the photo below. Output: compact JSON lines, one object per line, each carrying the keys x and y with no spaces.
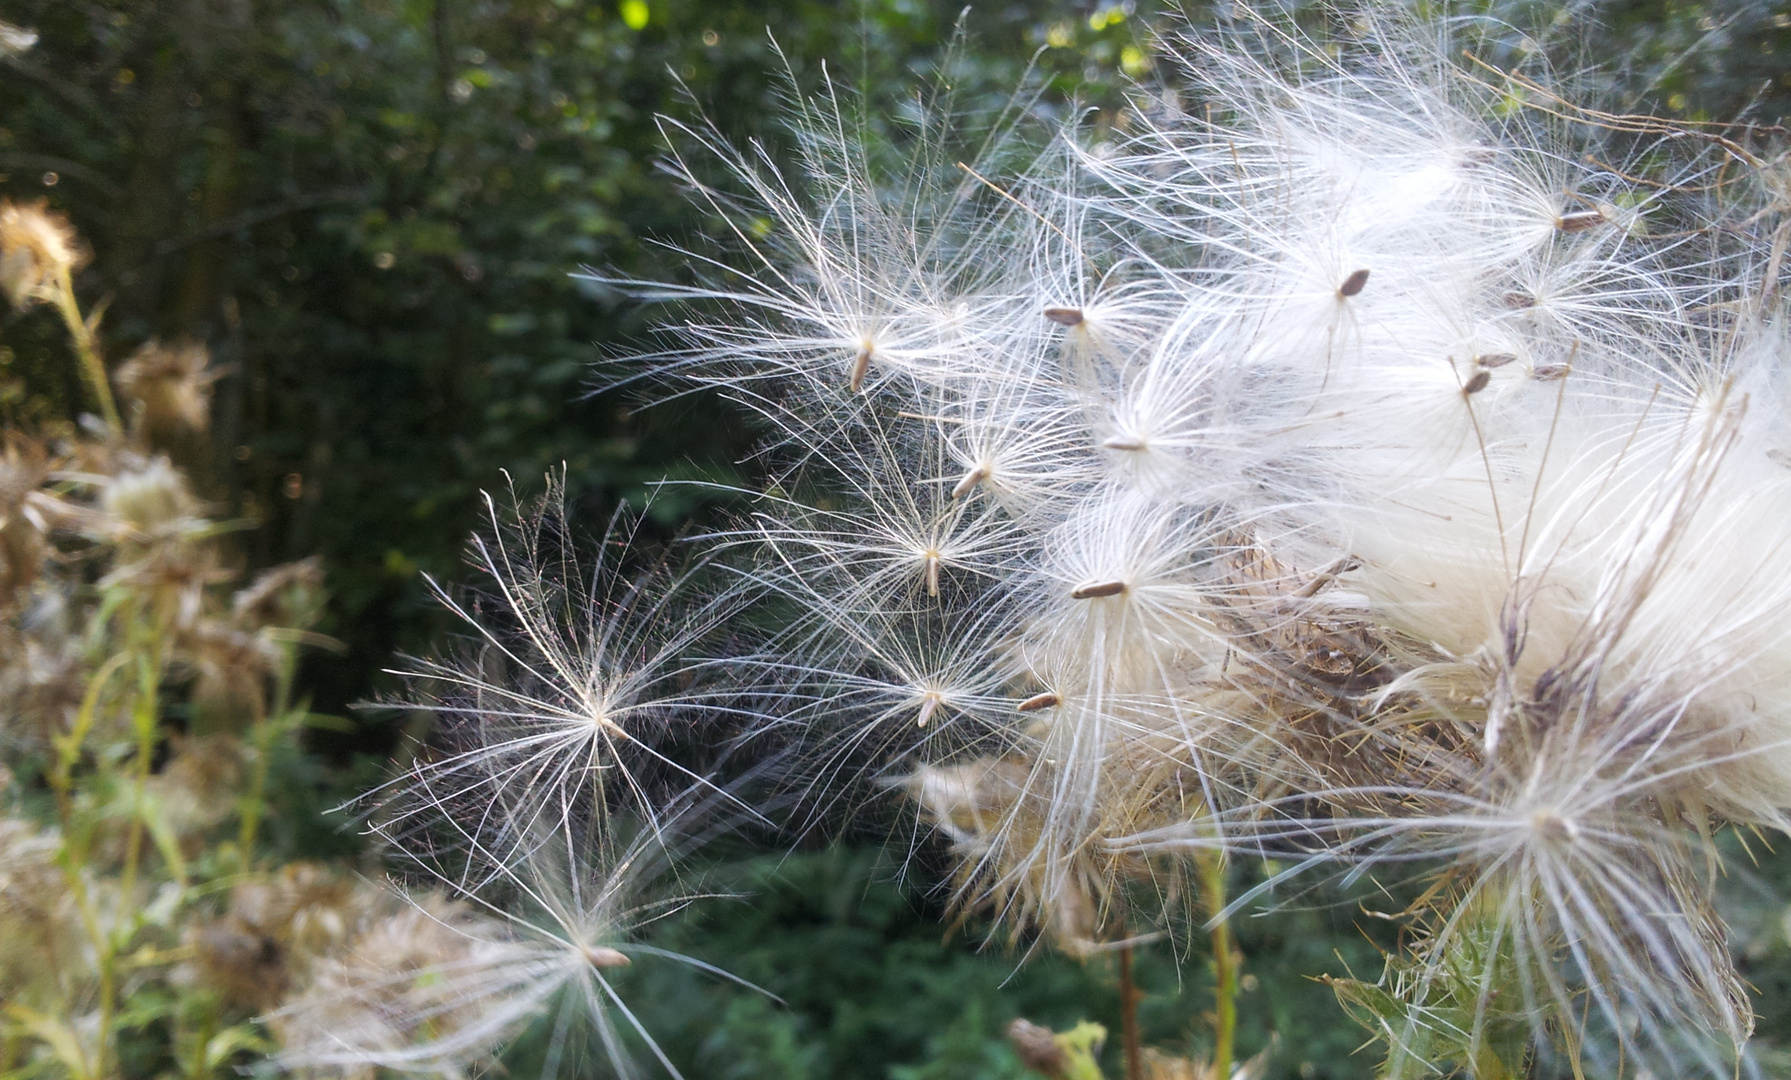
{"x":370,"y":209}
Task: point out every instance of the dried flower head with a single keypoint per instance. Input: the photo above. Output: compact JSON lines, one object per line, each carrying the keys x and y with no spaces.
{"x":38,"y":249}
{"x":288,"y":596}
{"x":171,"y":383}
{"x":27,"y":512}
{"x":42,"y":943}
{"x":277,"y":926}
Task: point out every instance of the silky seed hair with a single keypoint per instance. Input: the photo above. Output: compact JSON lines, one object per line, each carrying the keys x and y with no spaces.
{"x":1355,"y":470}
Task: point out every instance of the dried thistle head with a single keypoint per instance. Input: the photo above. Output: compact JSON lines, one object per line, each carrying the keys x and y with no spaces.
{"x":42,"y":941}
{"x":420,"y":988}
{"x":148,"y":501}
{"x":37,"y":249}
{"x":171,"y":383}
{"x":1012,"y":860}
{"x":26,"y":511}
{"x":277,"y":926}
{"x":233,"y":670}
{"x":43,"y":677}
{"x":288,"y":596}
{"x":198,"y":786}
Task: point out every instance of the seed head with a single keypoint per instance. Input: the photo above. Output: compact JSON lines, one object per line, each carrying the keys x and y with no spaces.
{"x":37,"y":248}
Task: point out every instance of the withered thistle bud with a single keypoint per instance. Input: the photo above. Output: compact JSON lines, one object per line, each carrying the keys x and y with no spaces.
{"x":36,"y":248}
{"x":1036,"y":1047}
{"x":172,"y":383}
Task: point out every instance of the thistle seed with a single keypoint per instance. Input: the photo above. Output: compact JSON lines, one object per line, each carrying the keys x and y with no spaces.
{"x":1579,"y":220}
{"x":1095,"y":590}
{"x":965,"y":486}
{"x":861,"y":366}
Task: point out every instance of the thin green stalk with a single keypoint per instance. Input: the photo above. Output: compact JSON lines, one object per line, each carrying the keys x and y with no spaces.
{"x":93,"y":367}
{"x":266,"y":729}
{"x":143,"y":716}
{"x":1226,"y":962}
{"x":200,"y":1066}
{"x":262,"y":739}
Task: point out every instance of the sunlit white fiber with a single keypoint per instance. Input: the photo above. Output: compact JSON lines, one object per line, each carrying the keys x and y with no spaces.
{"x":576,"y":676}
{"x":1381,"y":461}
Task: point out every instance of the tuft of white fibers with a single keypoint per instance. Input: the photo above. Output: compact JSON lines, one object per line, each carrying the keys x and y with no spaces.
{"x":577,"y":683}
{"x":1371,"y":459}
{"x":544,"y":921}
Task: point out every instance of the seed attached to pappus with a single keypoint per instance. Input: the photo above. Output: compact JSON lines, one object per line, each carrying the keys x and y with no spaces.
{"x":1476,"y":382}
{"x":1123,"y":442}
{"x":601,"y":956}
{"x":1096,"y":590}
{"x":1517,"y":301}
{"x":861,"y":366}
{"x":1580,"y":220}
{"x":1549,"y":372}
{"x":1036,"y":702}
{"x":1490,"y":361}
{"x":929,"y":704}
{"x":1341,"y":565}
{"x":965,"y":486}
{"x":1353,"y":284}
{"x":932,"y":561}
{"x":1064,"y":316}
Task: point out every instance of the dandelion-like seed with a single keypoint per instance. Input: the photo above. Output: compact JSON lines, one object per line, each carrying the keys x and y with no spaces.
{"x":576,"y":680}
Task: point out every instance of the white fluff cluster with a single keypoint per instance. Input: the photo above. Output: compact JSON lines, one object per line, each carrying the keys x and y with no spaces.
{"x":1382,"y":464}
{"x":1363,"y":465}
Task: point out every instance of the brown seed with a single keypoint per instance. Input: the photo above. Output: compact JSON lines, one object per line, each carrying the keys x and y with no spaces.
{"x":1495,"y":360}
{"x":932,"y":573}
{"x":1579,"y":221}
{"x":1098,"y":589}
{"x":1353,"y":284}
{"x":968,"y":484}
{"x":1518,"y":300}
{"x":861,"y":366}
{"x":1038,"y":701}
{"x":1064,"y":316}
{"x":1549,"y":372}
{"x":1476,"y":382}
{"x":603,"y":957}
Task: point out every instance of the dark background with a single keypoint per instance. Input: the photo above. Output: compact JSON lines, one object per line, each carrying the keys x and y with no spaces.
{"x":370,"y":211}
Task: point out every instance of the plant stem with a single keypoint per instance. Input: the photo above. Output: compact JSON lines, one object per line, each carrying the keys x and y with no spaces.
{"x":261,"y":739}
{"x":1225,"y":965}
{"x":1128,"y":1016}
{"x":268,"y":727}
{"x":143,"y":716}
{"x":92,"y":366}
